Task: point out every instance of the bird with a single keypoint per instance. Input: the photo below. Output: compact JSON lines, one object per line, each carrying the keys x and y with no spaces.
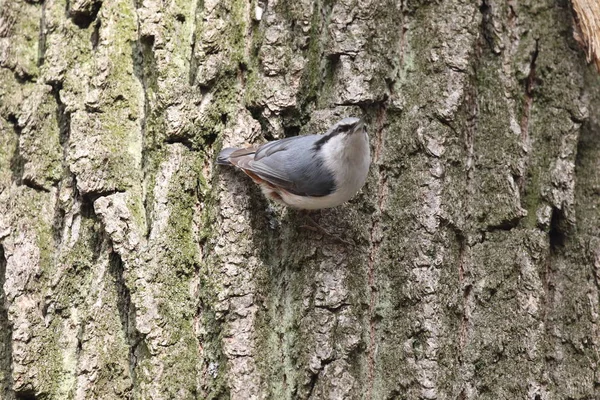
{"x":308,"y":172}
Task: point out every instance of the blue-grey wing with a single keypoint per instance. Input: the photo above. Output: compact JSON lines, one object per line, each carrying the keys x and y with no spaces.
{"x":270,"y":148}
{"x":291,"y":164}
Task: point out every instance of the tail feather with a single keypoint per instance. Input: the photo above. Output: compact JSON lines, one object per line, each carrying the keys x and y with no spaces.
{"x":231,"y":155}
{"x":223,"y":157}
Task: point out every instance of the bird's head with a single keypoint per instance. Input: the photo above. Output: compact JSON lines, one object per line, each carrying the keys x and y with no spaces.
{"x":347,"y":126}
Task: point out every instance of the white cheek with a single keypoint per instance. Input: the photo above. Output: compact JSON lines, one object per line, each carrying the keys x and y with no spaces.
{"x":333,"y":154}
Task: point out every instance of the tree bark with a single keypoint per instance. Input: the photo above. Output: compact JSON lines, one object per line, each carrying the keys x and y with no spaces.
{"x":132,"y":267}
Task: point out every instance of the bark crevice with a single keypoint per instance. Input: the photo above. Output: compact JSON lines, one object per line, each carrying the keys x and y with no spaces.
{"x":466,"y":292}
{"x":83,"y":13}
{"x":95,"y":35}
{"x":63,"y":117}
{"x":25,"y":395}
{"x":526,"y":115}
{"x":138,"y":53}
{"x":6,"y":366}
{"x":17,"y":162}
{"x":557,"y":233}
{"x":42,"y":36}
{"x":375,"y":240}
{"x":138,"y":349}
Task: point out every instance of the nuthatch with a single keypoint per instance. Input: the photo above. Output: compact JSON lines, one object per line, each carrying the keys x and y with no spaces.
{"x":308,"y":172}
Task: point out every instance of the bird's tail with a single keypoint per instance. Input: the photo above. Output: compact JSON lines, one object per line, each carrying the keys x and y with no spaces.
{"x":223,"y":157}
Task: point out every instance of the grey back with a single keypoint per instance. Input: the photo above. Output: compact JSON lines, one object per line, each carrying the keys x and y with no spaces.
{"x":290,"y":163}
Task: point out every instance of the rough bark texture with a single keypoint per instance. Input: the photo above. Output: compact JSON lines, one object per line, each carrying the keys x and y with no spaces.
{"x":132,"y":267}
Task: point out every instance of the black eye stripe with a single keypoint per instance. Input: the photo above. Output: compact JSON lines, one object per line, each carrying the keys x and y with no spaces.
{"x":337,"y":130}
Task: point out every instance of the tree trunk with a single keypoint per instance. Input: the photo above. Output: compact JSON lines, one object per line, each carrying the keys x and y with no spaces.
{"x":132,"y":267}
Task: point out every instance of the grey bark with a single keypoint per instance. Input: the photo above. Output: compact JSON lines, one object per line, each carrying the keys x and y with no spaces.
{"x":132,"y":267}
